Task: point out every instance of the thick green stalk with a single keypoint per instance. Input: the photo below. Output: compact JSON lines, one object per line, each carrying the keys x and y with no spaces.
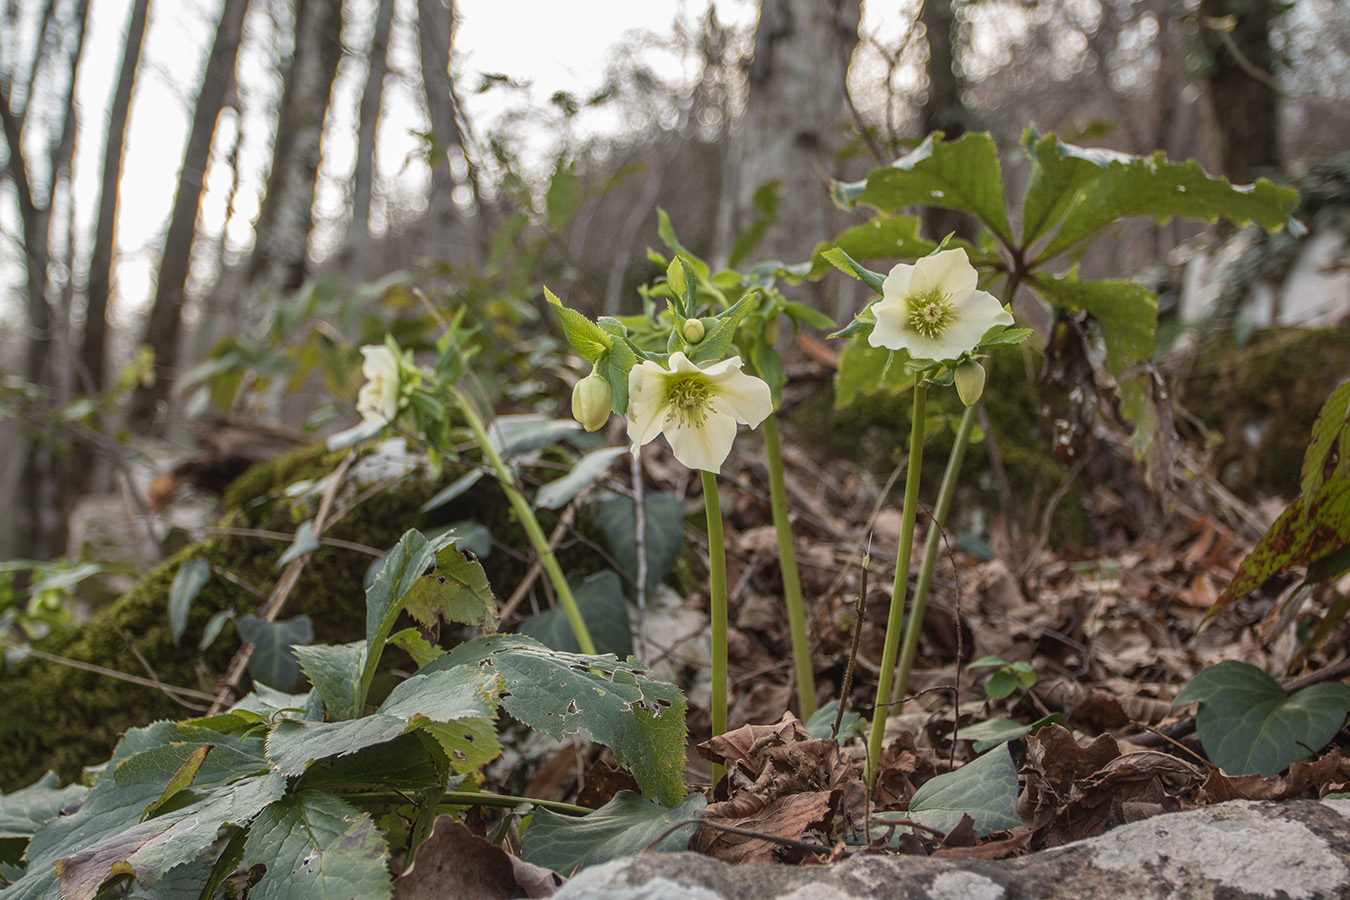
{"x":717,"y":606}
{"x":901,"y":584}
{"x":930,"y":550}
{"x":530,"y":523}
{"x":792,"y":582}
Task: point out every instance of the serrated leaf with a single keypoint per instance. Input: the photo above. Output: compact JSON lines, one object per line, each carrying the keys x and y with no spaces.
{"x":600,"y":600}
{"x":411,"y":642}
{"x":625,"y":826}
{"x":984,"y":789}
{"x":963,"y":175}
{"x":412,"y":556}
{"x":1128,"y":314}
{"x":1316,"y":526}
{"x":1082,"y":191}
{"x":273,"y":661}
{"x":455,"y":590}
{"x":663,"y":534}
{"x":585,"y":336}
{"x":335,"y":671}
{"x":23,"y":811}
{"x":719,"y":338}
{"x":1248,"y":725}
{"x":188,"y":581}
{"x":851,"y":267}
{"x":641,"y":720}
{"x":882,"y":237}
{"x":411,"y":762}
{"x":587,"y":469}
{"x":317,"y":847}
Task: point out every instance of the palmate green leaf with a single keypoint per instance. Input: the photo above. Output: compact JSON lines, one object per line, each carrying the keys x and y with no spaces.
{"x":600,"y":600}
{"x":882,"y":237}
{"x":273,"y":661}
{"x":456,"y":590}
{"x":984,"y":789}
{"x":456,"y":705}
{"x":317,"y":847}
{"x":641,"y":720}
{"x":411,"y":762}
{"x":1316,"y":526}
{"x":663,"y":518}
{"x":963,"y":175}
{"x":1248,"y":725}
{"x":1128,"y":313}
{"x":335,"y":672}
{"x":625,"y":826}
{"x":1081,"y":191}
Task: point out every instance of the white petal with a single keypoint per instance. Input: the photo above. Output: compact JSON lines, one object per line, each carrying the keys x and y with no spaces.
{"x":984,"y":307}
{"x":950,"y":271}
{"x":705,"y":446}
{"x":745,"y":398}
{"x":646,"y":401}
{"x":892,"y":330}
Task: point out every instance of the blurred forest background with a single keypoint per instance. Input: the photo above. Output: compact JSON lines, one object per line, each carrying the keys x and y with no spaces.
{"x":175,"y":177}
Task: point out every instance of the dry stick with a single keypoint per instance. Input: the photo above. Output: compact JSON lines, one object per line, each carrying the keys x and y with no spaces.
{"x":282,"y":590}
{"x":100,"y":670}
{"x":861,"y":610}
{"x":149,"y":670}
{"x":744,"y":832}
{"x":640,"y":539}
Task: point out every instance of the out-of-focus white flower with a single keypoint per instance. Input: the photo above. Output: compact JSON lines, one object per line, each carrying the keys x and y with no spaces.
{"x":379,"y":398}
{"x":591,"y":401}
{"x":933,"y":310}
{"x":697,"y":408}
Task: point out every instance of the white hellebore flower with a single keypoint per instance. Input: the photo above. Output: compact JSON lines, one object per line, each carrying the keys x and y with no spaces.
{"x":933,"y":309}
{"x":379,"y":400}
{"x":697,"y":408}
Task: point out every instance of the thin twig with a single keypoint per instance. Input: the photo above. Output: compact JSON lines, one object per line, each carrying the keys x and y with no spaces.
{"x":859,"y":614}
{"x":100,"y":670}
{"x":732,"y":829}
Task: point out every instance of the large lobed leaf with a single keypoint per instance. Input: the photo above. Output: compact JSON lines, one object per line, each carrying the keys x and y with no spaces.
{"x":1248,"y":725}
{"x":641,"y":720}
{"x":1076,"y":192}
{"x":317,"y":847}
{"x":1128,"y":314}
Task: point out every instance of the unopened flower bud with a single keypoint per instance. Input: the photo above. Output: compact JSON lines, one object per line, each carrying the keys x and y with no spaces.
{"x":693,"y":330}
{"x":970,"y":382}
{"x":591,"y":401}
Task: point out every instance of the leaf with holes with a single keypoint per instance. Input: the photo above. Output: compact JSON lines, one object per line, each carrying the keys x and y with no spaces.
{"x":641,"y":720}
{"x":1248,"y":725}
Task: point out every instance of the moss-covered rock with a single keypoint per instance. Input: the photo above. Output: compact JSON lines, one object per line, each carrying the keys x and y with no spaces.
{"x":1261,"y":399}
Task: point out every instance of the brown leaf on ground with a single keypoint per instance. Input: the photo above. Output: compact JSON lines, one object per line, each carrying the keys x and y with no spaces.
{"x":987,"y":850}
{"x":779,"y":782}
{"x":1328,"y":774}
{"x":903,"y":767}
{"x":452,"y":855}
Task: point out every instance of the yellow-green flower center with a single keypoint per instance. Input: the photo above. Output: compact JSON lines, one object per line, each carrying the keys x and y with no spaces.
{"x":931,"y":313}
{"x":687,"y":400}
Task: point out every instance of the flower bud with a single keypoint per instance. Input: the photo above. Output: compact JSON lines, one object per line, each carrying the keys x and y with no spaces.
{"x":591,"y":401}
{"x":970,"y":382}
{"x":693,"y":330}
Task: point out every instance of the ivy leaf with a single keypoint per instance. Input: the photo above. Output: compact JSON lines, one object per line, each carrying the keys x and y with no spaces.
{"x":641,"y":720}
{"x":188,"y":582}
{"x":273,"y":661}
{"x":663,"y":518}
{"x":963,"y":175}
{"x":992,"y":732}
{"x":625,"y":826}
{"x":601,"y":602}
{"x":1082,"y":191}
{"x":1316,"y":526}
{"x":1248,"y":725}
{"x":305,"y":541}
{"x":455,"y":590}
{"x":315,"y":845}
{"x":984,"y":789}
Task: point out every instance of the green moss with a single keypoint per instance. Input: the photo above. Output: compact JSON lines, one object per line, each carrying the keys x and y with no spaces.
{"x":1261,"y":400}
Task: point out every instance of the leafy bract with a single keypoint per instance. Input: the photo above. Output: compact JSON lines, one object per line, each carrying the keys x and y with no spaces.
{"x":641,"y":720}
{"x":963,"y":175}
{"x":625,"y":826}
{"x":984,"y":789}
{"x":1315,"y":528}
{"x":317,"y":847}
{"x":1248,"y":725}
{"x":1076,"y":192}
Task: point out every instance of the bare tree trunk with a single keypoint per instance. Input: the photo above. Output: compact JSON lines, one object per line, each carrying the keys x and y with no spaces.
{"x":943,"y":109}
{"x":1242,"y":91}
{"x":357,"y":248}
{"x":164,"y":324}
{"x":789,"y":131}
{"x":93,"y":345}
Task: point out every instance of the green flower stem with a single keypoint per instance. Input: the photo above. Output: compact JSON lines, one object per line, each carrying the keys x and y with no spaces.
{"x":792,"y":582}
{"x":717,"y":602}
{"x":901,"y":585}
{"x":530,"y":522}
{"x":930,"y":550}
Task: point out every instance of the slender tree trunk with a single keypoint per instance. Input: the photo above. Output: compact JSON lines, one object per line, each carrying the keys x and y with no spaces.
{"x":789,"y":132}
{"x":943,"y":109}
{"x":93,"y":345}
{"x":1242,"y":92}
{"x":357,"y":248}
{"x":163,"y":327}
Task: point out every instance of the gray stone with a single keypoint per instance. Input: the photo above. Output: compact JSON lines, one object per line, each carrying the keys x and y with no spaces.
{"x":1242,"y":850}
